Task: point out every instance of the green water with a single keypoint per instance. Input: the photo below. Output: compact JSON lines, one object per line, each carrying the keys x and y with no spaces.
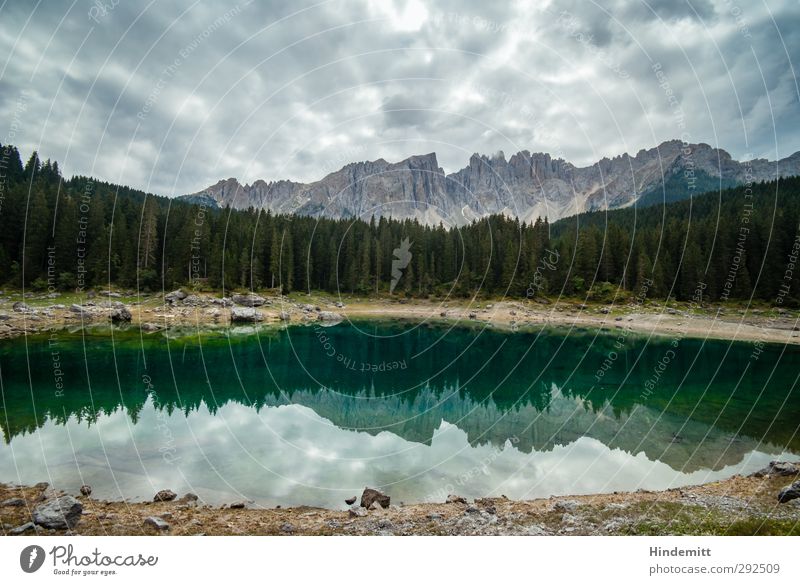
{"x":311,"y":415}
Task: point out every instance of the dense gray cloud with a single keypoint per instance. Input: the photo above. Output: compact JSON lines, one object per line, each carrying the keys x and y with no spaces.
{"x":172,"y":96}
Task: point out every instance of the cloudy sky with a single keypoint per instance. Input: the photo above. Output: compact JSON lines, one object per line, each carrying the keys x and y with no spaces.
{"x":170,"y":96}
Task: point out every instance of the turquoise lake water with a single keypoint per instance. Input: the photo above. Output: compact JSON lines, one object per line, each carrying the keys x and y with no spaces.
{"x":312,"y":415}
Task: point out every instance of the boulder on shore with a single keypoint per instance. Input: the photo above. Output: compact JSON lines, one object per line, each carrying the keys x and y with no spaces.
{"x":194,"y":301}
{"x":86,"y":490}
{"x":121,"y":315}
{"x":165,"y":496}
{"x":245,"y":315}
{"x":59,"y":513}
{"x":454,"y":499}
{"x":249,"y":300}
{"x":371,"y":495}
{"x":777,"y":468}
{"x":174,"y":296}
{"x":789,"y":493}
{"x":357,"y":512}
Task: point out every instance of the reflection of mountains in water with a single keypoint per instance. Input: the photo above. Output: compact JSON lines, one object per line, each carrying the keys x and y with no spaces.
{"x":682,"y":444}
{"x":710,"y":406}
{"x":556,"y":419}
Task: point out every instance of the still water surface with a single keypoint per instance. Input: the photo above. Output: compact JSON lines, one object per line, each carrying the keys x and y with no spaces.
{"x":311,"y":415}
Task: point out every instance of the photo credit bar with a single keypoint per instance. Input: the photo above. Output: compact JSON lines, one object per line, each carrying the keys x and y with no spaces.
{"x":352,"y":560}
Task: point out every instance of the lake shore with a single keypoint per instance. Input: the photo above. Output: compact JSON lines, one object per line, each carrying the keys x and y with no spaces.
{"x":755,"y":324}
{"x":735,"y":506}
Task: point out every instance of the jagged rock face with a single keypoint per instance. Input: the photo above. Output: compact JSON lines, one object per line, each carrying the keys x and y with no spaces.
{"x":526,"y":186}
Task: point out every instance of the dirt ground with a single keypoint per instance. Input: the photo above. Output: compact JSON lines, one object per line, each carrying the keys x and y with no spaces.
{"x":756,"y":323}
{"x":736,"y":506}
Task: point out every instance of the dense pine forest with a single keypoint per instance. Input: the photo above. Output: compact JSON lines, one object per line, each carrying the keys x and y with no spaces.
{"x":80,"y":233}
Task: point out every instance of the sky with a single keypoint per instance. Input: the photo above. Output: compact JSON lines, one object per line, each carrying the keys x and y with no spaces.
{"x":172,"y":96}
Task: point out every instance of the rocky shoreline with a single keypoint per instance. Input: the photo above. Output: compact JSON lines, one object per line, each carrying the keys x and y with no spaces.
{"x":764,"y":503}
{"x":181,"y":309}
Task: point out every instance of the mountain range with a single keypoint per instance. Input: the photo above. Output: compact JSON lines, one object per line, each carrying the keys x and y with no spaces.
{"x":526,"y":185}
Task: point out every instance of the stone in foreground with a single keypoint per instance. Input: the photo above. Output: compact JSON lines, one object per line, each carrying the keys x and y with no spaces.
{"x":22,"y":528}
{"x":357,"y":512}
{"x":454,"y":499}
{"x":777,"y":468}
{"x":165,"y":496}
{"x":789,"y":493}
{"x":58,"y":513}
{"x":372,"y":495}
{"x":157,"y":523}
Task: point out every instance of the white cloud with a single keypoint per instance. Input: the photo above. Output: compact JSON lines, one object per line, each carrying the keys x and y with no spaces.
{"x":277,"y":91}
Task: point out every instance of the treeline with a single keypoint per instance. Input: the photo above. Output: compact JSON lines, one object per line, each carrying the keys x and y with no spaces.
{"x":81,"y":233}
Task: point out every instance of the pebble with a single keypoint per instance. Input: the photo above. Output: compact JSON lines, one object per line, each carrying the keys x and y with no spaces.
{"x":156,"y":523}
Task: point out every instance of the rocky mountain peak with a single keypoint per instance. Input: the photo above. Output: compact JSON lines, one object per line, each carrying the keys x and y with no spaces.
{"x":527,"y":185}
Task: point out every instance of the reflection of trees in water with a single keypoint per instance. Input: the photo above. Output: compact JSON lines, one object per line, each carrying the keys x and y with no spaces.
{"x":541,"y":390}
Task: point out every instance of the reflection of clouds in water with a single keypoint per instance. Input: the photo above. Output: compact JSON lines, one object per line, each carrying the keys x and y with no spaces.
{"x":290,"y":455}
{"x":564,"y":420}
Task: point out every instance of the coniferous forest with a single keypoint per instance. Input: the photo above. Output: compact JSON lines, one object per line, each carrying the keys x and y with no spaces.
{"x":80,"y":233}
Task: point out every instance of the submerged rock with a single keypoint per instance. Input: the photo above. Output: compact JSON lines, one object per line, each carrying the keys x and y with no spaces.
{"x":371,"y":495}
{"x":58,"y":513}
{"x":328,"y":316}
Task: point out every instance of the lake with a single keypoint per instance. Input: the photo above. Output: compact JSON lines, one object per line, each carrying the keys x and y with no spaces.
{"x":312,"y":415}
